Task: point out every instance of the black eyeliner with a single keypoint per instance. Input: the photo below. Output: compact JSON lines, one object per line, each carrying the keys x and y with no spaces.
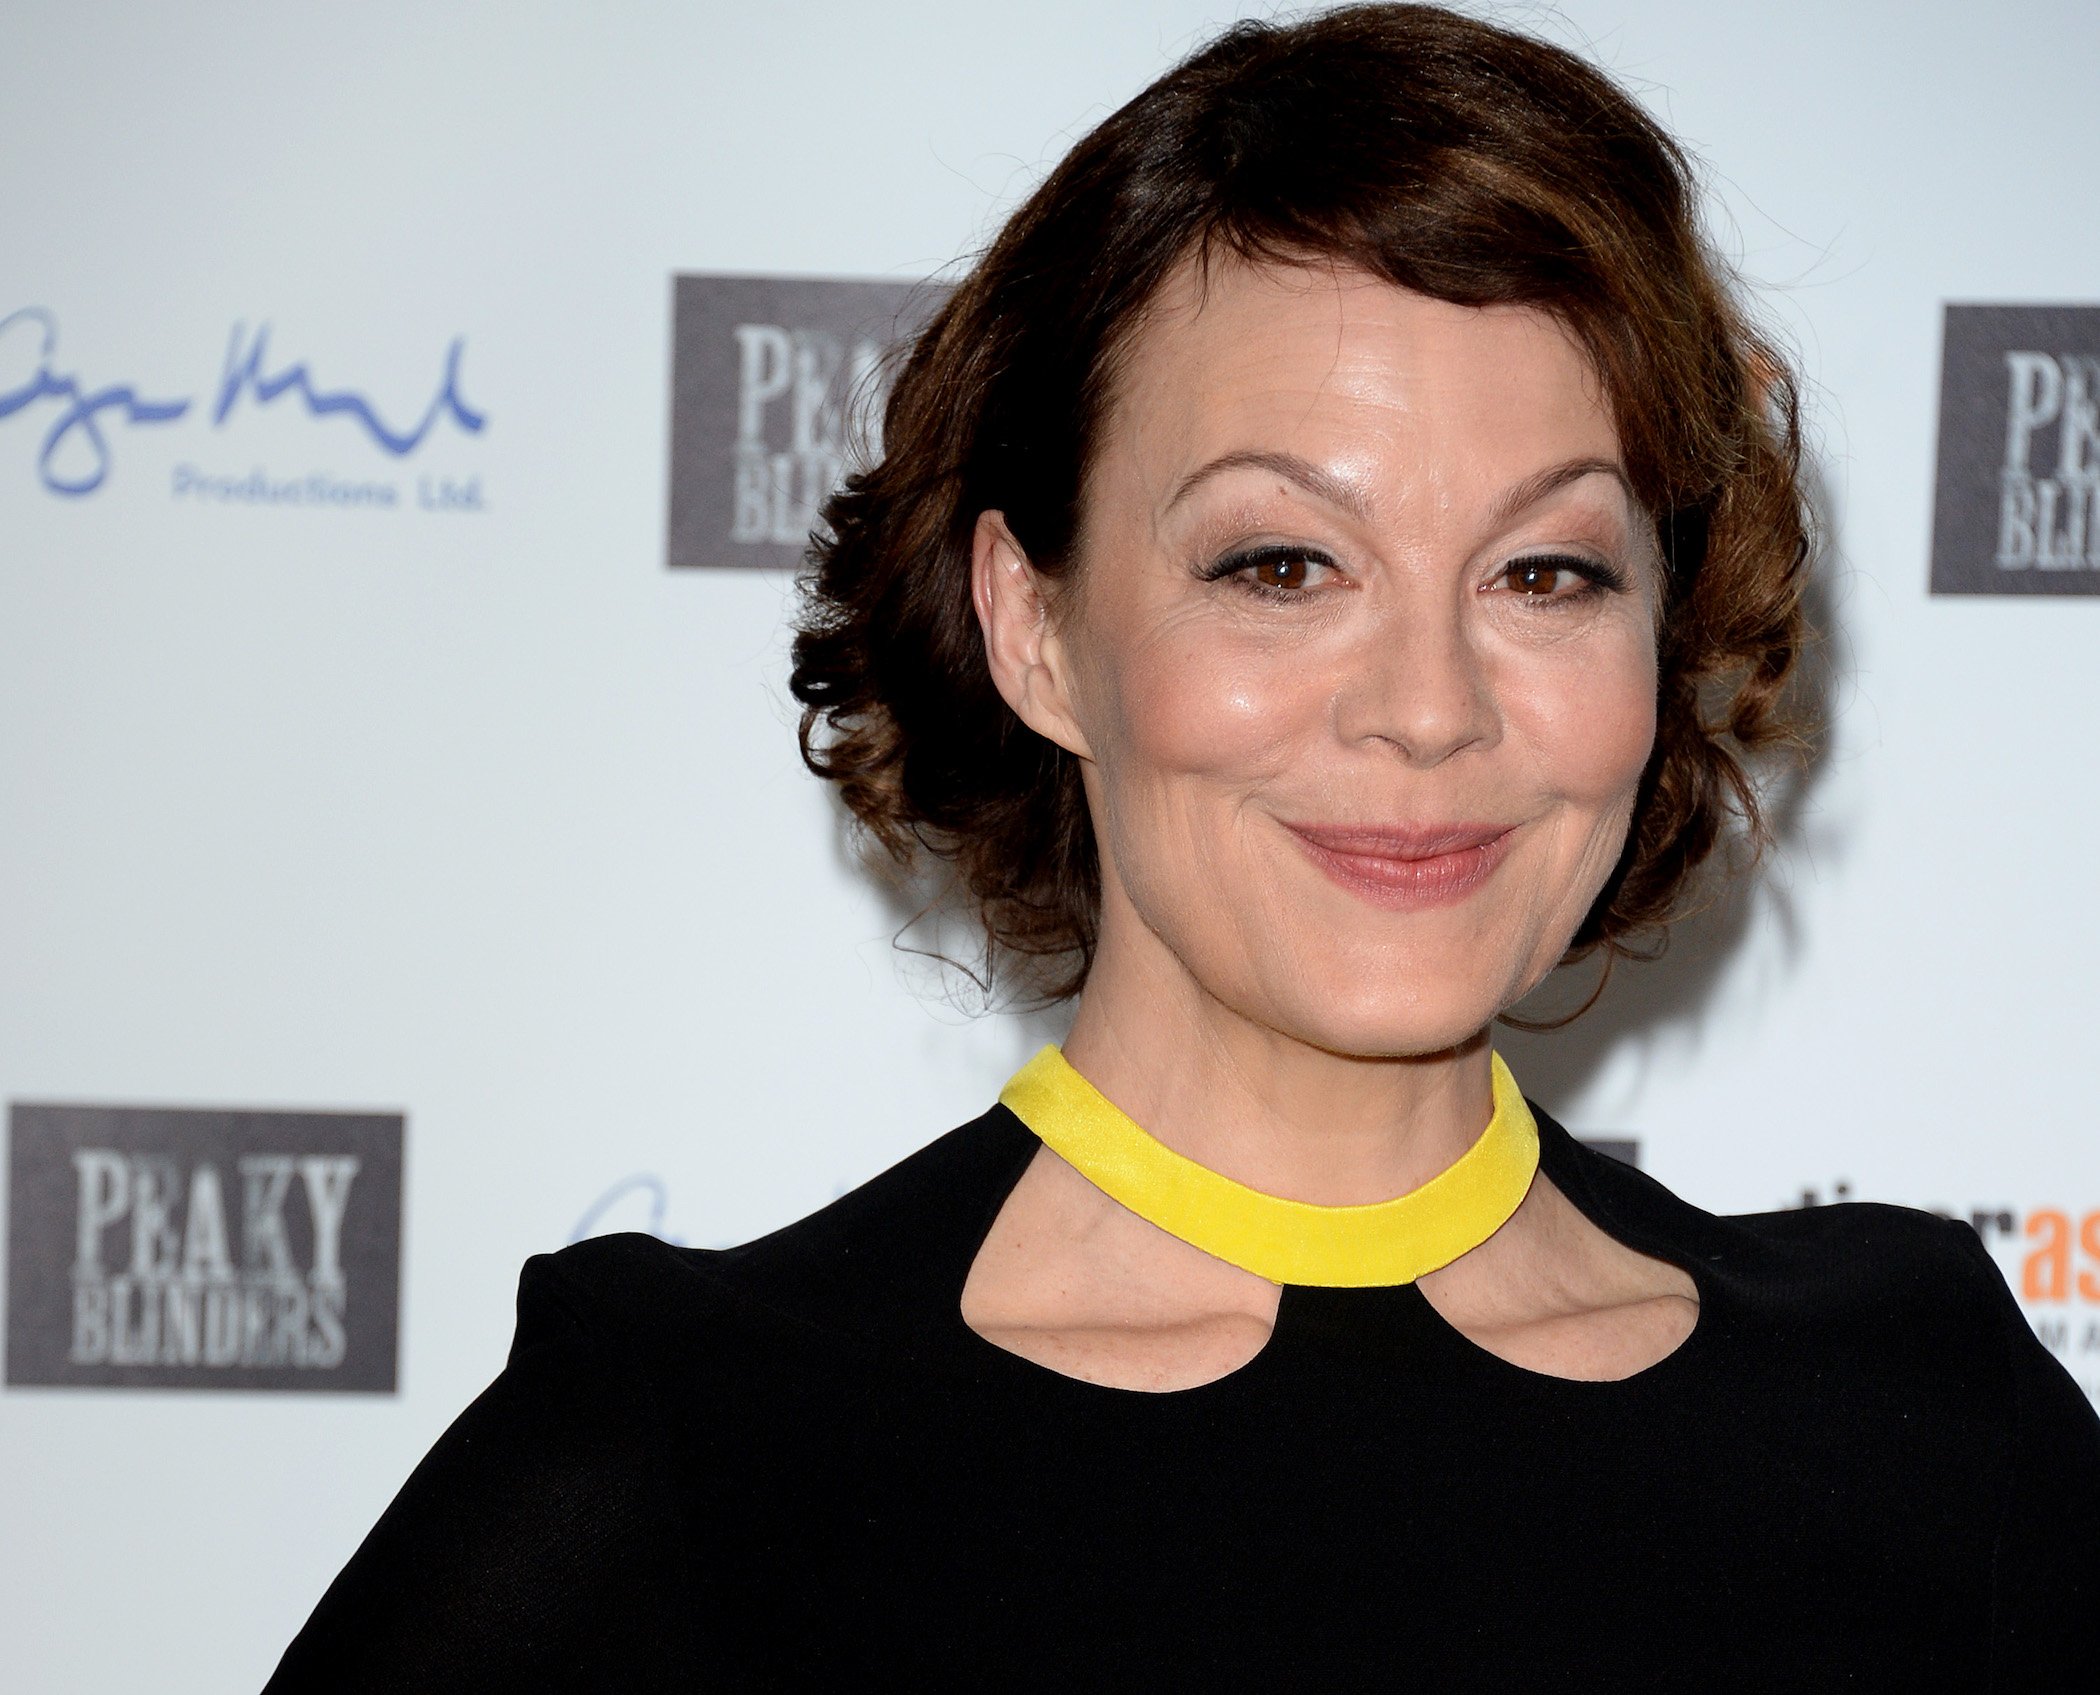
{"x":1596,"y":571}
{"x":1245,"y":558}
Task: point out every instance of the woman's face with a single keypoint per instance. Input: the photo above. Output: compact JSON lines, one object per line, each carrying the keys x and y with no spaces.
{"x":1359,"y":653}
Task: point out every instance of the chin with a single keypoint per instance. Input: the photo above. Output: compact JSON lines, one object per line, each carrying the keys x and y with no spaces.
{"x":1383,"y":1008}
{"x":1322,"y":966}
{"x":1391,"y":1031}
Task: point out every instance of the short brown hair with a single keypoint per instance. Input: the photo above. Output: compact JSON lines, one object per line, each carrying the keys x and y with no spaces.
{"x":1442,"y":154}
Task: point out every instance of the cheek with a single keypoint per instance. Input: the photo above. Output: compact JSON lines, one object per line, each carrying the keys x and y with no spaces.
{"x":1590,"y":721}
{"x":1192,"y":703}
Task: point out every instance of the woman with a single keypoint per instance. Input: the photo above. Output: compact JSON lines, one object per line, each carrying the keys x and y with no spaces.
{"x":1331,"y":560}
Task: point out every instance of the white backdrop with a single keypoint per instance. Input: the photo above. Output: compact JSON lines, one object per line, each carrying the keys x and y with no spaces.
{"x":487,"y":817}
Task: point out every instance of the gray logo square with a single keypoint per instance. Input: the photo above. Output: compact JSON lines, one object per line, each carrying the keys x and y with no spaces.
{"x":2017,"y":509}
{"x":166,"y":1248}
{"x":777,"y":386}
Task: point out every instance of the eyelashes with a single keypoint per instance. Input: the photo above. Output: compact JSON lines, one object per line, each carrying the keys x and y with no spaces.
{"x":1281,"y":571}
{"x":1275,"y":571}
{"x":1596,"y":576}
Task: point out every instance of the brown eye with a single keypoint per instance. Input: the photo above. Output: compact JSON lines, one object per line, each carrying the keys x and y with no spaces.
{"x":1281,"y":571}
{"x":1537,"y":576}
{"x":1562,"y":578}
{"x":1277,"y":572}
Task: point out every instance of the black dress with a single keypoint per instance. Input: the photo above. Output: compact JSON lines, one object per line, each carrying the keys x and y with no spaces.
{"x":791,"y":1464}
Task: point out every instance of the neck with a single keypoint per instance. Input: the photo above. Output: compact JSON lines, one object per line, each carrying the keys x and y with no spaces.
{"x":1260,"y":1106}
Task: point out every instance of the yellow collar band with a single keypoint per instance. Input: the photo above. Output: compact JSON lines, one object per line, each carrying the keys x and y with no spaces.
{"x":1347,"y":1247}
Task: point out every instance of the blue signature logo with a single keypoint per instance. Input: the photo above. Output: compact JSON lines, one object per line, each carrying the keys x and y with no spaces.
{"x":650,"y":1188}
{"x":246,"y":376}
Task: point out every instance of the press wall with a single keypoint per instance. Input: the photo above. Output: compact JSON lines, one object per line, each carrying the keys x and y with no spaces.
{"x":395,"y":768}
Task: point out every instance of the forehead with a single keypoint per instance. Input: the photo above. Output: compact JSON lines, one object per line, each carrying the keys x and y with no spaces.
{"x":1354,"y":372}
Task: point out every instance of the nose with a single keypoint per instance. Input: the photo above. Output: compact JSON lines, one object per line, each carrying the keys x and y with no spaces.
{"x":1417,"y":682}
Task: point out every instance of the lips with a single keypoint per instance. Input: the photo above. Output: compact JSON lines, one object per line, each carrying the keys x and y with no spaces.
{"x":1406,"y":866}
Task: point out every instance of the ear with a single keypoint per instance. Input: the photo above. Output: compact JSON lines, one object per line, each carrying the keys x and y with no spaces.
{"x":1022,"y":645}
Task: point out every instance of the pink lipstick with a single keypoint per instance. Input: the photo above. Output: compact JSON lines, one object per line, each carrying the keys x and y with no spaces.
{"x":1406,"y":867}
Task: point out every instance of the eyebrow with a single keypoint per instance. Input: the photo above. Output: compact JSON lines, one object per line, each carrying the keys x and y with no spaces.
{"x":1340,"y":492}
{"x":1552,"y":480}
{"x":1321,"y":484}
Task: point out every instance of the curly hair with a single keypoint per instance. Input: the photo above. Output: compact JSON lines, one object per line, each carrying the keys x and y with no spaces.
{"x":1442,"y":154}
